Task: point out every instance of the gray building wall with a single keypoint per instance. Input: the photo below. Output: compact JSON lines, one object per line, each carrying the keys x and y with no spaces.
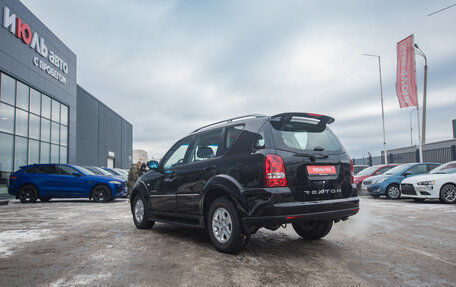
{"x":100,"y":132}
{"x":454,"y":129}
{"x":16,"y":59}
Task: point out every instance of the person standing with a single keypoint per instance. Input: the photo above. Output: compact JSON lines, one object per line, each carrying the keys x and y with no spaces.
{"x":133,"y":175}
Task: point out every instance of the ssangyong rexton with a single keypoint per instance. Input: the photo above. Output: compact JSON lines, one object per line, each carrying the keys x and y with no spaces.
{"x":236,"y":176}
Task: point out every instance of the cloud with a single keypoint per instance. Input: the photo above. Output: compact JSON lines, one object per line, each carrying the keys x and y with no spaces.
{"x":169,"y":67}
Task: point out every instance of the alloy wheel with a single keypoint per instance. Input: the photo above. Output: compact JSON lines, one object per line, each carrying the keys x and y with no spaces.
{"x":449,"y":193}
{"x":139,"y":210}
{"x":394,"y":192}
{"x":222,"y":225}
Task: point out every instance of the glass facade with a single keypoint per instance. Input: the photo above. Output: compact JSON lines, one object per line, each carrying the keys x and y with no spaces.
{"x":33,"y":128}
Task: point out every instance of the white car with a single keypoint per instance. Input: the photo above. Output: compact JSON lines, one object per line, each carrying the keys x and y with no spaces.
{"x":439,"y":183}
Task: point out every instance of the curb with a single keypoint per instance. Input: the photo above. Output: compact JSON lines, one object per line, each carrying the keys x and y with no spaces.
{"x":4,"y":201}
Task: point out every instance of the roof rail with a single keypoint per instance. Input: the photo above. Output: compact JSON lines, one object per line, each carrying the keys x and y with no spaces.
{"x":230,"y":120}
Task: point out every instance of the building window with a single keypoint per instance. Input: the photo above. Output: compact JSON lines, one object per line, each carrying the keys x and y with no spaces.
{"x":64,"y":115}
{"x":55,"y":152}
{"x":63,"y":154}
{"x":6,"y":118}
{"x":22,"y":96}
{"x":33,"y":152}
{"x":6,"y":160}
{"x":45,"y":130}
{"x":8,"y":89}
{"x":33,"y":128}
{"x":20,"y":152}
{"x":35,"y":102}
{"x":55,"y":111}
{"x":44,"y":152}
{"x":55,"y":132}
{"x":22,"y":123}
{"x":45,"y":106}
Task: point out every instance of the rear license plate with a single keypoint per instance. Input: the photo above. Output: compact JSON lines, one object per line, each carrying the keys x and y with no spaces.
{"x":321,"y":170}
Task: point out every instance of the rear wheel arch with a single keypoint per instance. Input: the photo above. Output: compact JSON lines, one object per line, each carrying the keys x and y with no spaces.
{"x":25,"y":184}
{"x":222,"y":185}
{"x":212,"y":194}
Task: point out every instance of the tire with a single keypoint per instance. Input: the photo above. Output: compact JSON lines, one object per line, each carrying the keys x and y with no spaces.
{"x":139,"y":211}
{"x":224,"y":227}
{"x":28,"y":194}
{"x":393,"y":191}
{"x":101,"y":193}
{"x":448,"y":193}
{"x":419,"y":199}
{"x":313,"y":230}
{"x":45,"y":199}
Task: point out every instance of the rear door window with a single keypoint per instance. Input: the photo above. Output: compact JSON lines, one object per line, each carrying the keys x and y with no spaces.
{"x":48,"y":169}
{"x":206,"y":146}
{"x":304,"y":136}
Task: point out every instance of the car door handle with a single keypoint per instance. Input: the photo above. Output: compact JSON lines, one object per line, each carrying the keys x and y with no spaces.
{"x":209,"y":168}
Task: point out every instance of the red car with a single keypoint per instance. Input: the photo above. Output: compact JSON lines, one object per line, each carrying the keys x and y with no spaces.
{"x":370,"y":171}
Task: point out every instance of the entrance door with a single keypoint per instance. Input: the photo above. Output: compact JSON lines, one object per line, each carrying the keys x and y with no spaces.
{"x":110,"y":163}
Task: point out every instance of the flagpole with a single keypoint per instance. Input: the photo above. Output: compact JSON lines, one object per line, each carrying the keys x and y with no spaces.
{"x":420,"y":146}
{"x":381,"y":98}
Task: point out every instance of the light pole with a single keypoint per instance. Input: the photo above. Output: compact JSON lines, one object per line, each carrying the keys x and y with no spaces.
{"x":419,"y":52}
{"x":411,"y":129}
{"x":381,"y":97}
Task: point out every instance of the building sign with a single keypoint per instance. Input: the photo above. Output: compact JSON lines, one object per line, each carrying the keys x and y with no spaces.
{"x":55,"y":66}
{"x":111,"y":153}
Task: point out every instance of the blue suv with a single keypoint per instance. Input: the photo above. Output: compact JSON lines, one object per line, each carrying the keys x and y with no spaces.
{"x":46,"y":181}
{"x":389,"y":182}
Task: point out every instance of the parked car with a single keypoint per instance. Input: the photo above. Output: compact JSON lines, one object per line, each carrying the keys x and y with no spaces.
{"x":439,"y":183}
{"x":98,"y":171}
{"x":46,"y":181}
{"x":358,"y":167}
{"x":389,"y":183}
{"x":370,"y":171}
{"x":115,"y":172}
{"x":236,"y":176}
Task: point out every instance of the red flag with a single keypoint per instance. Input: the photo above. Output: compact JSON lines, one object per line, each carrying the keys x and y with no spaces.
{"x":405,"y":75}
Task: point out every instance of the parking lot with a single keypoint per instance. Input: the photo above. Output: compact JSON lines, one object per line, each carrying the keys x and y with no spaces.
{"x":81,"y":243}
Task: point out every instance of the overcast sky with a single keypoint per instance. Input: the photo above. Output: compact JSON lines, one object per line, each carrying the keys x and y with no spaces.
{"x":169,"y":67}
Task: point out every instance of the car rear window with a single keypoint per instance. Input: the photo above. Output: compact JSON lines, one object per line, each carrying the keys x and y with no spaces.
{"x":304,"y":136}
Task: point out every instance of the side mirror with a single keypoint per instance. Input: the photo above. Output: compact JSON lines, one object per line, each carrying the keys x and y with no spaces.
{"x":152,"y":164}
{"x":76,"y":174}
{"x":406,"y":173}
{"x":378,"y":173}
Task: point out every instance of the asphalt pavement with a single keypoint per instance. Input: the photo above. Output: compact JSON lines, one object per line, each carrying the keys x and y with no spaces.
{"x":82,"y":243}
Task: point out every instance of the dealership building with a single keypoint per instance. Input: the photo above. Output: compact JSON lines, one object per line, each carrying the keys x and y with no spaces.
{"x":45,"y":116}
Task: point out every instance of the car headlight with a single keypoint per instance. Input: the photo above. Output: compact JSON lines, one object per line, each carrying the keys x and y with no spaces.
{"x":379,"y":180}
{"x":427,"y":182}
{"x":115,"y":182}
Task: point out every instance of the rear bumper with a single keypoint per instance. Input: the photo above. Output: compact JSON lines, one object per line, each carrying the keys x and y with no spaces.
{"x":290,"y":212}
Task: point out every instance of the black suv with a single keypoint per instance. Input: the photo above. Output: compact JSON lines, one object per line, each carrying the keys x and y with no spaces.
{"x":236,"y":176}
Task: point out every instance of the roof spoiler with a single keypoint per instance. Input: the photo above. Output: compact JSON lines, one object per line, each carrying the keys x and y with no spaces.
{"x":286,"y":118}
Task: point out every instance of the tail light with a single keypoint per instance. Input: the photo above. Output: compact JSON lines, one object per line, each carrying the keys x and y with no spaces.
{"x":13,"y":177}
{"x":274,"y":171}
{"x":352,"y":180}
